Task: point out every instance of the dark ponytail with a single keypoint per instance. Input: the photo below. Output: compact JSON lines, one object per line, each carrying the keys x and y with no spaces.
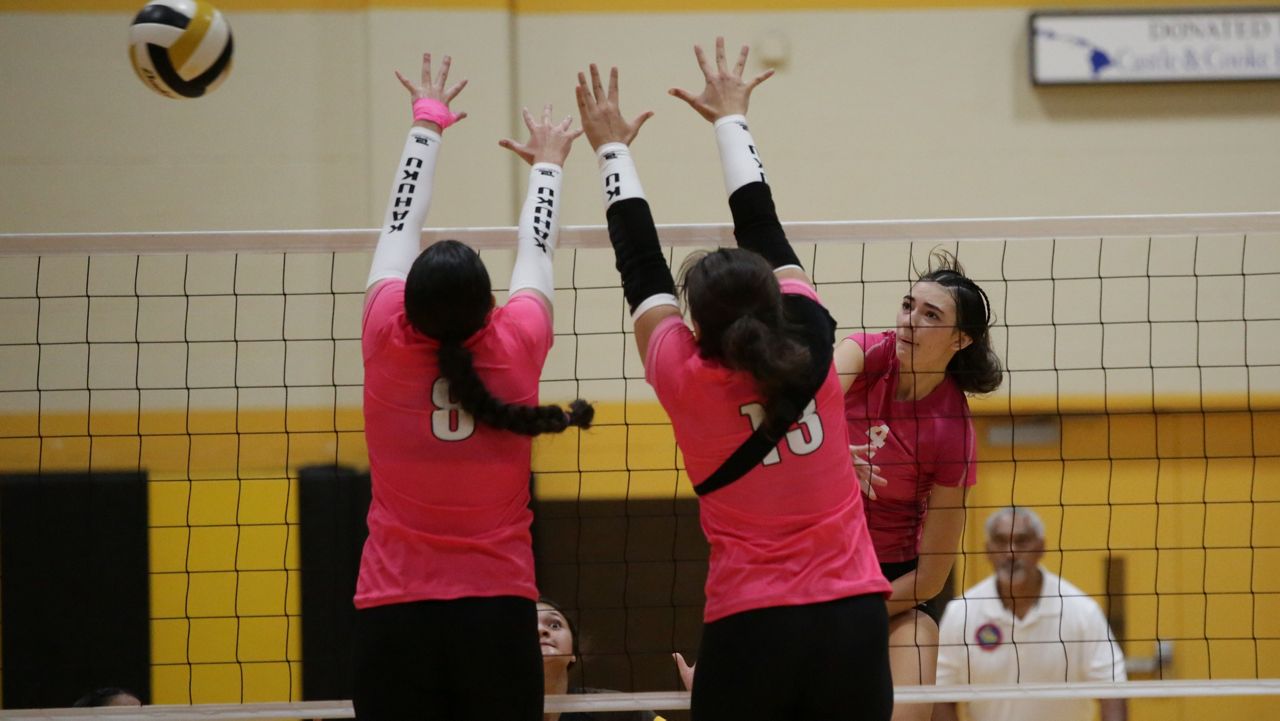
{"x":975,"y":368}
{"x":447,"y":297}
{"x":734,"y":298}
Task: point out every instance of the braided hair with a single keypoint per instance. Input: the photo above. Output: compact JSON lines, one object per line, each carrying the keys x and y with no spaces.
{"x":448,"y":297}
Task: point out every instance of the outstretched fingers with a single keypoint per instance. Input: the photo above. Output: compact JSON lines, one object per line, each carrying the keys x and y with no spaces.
{"x":759,"y":79}
{"x":684,"y":95}
{"x":596,"y":87}
{"x":741,"y":67}
{"x":405,"y":82}
{"x":641,"y":119}
{"x":426,"y":69}
{"x":452,"y":92}
{"x":707,"y":72}
{"x":443,"y":77}
{"x":613,"y":84}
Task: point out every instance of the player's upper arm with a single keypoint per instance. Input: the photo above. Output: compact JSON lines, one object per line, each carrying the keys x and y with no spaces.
{"x":850,"y":359}
{"x":648,"y":322}
{"x":372,"y":292}
{"x":527,"y":321}
{"x":538,"y":295}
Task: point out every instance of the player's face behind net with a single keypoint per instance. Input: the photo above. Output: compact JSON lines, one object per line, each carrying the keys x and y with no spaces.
{"x":1137,"y":417}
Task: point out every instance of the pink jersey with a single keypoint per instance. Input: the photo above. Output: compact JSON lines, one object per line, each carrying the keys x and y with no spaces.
{"x":791,"y":531}
{"x":918,"y":444}
{"x":450,"y":512}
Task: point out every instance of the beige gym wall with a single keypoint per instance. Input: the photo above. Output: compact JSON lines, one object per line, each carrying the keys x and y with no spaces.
{"x":880,"y":110}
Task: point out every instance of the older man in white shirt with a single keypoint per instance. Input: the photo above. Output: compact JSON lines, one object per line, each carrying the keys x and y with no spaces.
{"x":1024,"y":624}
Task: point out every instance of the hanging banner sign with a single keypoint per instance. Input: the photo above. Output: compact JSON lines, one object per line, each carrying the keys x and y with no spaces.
{"x":1155,"y":47}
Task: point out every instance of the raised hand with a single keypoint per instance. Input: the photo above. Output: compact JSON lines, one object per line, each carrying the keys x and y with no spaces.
{"x":869,"y":477}
{"x":434,"y":89}
{"x":725,"y":93}
{"x":547,"y":143}
{"x":601,"y":118}
{"x":685,"y":669}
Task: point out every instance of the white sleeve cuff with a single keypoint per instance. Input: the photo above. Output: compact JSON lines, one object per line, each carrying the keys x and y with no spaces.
{"x":618,"y":173}
{"x":654,"y":301}
{"x":738,"y":156}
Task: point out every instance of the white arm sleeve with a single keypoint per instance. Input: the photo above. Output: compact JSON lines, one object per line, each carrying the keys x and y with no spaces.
{"x":738,"y":156}
{"x":618,"y":173}
{"x":401,"y":238}
{"x":538,"y":230}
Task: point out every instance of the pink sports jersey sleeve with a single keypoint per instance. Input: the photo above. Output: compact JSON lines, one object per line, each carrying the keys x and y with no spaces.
{"x":384,"y":301}
{"x":526,"y":321}
{"x":877,"y":351}
{"x":671,"y":345}
{"x":793,"y":286}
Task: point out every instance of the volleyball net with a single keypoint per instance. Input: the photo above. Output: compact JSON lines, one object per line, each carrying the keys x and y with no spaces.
{"x":185,"y":474}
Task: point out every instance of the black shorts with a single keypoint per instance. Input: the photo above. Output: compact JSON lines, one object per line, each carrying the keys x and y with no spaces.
{"x":933,"y":607}
{"x":470,"y":658}
{"x":827,"y":661}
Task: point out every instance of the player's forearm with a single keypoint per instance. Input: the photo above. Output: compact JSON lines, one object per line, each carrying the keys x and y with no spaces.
{"x":538,"y":231}
{"x":401,"y":236}
{"x":755,"y":219}
{"x":646,"y":277}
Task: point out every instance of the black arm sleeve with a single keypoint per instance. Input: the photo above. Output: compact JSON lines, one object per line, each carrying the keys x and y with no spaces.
{"x":639,"y":257}
{"x":756,"y":225}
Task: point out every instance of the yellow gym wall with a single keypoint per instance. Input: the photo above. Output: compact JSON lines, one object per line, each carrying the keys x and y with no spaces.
{"x":224,"y":542}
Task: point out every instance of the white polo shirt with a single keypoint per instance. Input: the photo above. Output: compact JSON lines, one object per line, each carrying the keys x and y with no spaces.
{"x":1064,"y":637}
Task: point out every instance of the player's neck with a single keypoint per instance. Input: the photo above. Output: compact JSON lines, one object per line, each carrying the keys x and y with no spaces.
{"x":914,"y":385}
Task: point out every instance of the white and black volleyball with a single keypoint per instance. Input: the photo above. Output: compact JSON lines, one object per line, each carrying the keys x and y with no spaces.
{"x":180,"y":48}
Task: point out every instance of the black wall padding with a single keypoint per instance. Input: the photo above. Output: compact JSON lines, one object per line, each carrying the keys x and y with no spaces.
{"x":631,"y":572}
{"x":333,"y":502}
{"x":74,"y":586}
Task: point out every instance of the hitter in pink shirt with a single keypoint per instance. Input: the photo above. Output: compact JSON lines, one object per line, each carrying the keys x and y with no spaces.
{"x":795,"y":624}
{"x":914,"y":447}
{"x":446,"y":580}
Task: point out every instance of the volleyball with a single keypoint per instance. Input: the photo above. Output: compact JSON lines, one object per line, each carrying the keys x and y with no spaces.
{"x":180,"y":48}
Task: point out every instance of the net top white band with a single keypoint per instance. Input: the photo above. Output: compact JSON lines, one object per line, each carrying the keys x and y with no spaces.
{"x":703,"y":234}
{"x":677,"y":700}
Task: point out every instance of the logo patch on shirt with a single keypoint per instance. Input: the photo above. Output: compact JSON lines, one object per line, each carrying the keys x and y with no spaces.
{"x":988,"y":636}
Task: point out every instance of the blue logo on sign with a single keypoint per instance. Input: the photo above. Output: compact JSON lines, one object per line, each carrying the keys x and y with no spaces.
{"x":1099,"y":60}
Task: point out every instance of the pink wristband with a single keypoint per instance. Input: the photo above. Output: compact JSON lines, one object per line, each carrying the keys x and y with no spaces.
{"x":433,"y":111}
